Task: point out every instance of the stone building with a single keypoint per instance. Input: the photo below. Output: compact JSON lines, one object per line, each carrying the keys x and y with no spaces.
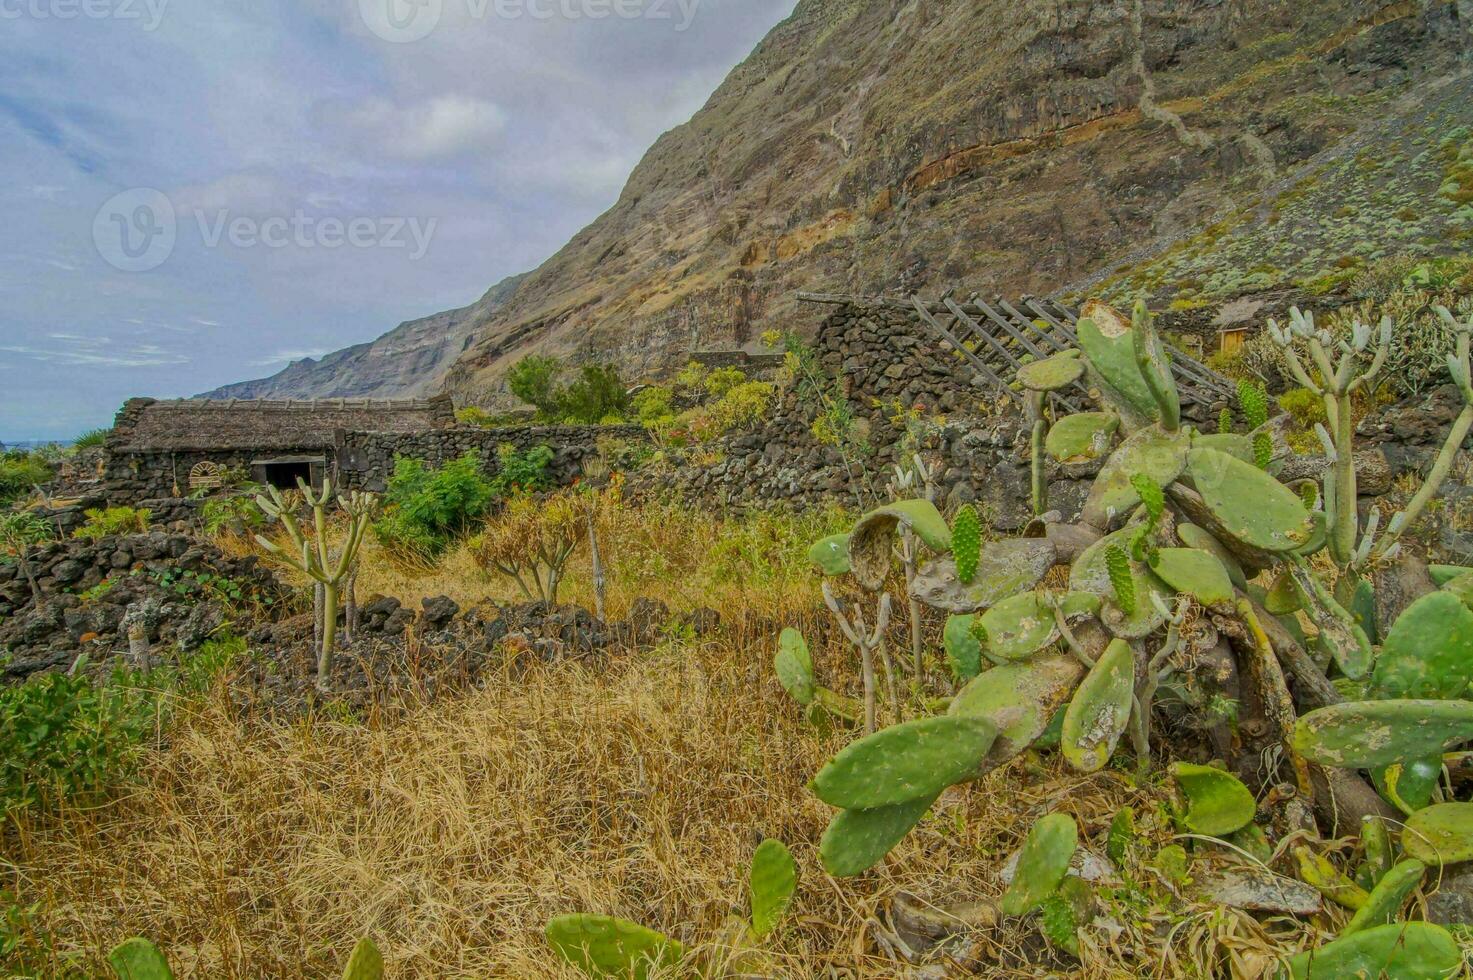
{"x":161,"y":449}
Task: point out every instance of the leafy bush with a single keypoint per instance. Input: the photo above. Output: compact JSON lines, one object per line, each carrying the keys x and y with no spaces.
{"x":721,"y":381}
{"x":654,"y":407}
{"x":61,"y":736}
{"x":114,"y":520}
{"x":93,"y":439}
{"x":533,"y":379}
{"x":692,"y":377}
{"x":20,"y":472}
{"x":521,"y":472}
{"x":598,"y":394}
{"x":428,"y":508}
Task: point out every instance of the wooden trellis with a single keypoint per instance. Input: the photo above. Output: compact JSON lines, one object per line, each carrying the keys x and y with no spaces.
{"x":994,"y":338}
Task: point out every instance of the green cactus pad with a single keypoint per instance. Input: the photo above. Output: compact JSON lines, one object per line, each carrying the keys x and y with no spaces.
{"x":1462,"y":587}
{"x":1195,"y":573}
{"x":966,"y":543}
{"x":1081,"y":437}
{"x":1042,"y":864}
{"x":1363,"y":608}
{"x":963,"y":649}
{"x":1160,"y":455}
{"x":857,"y":840}
{"x":1409,"y":785}
{"x":1155,"y":366}
{"x":1399,"y":951}
{"x":1443,"y":574}
{"x":1251,"y":505}
{"x":1386,"y":899}
{"x":366,"y":963}
{"x":1019,"y":700}
{"x":1053,"y":373}
{"x":1019,"y":626}
{"x":1284,"y":597}
{"x":905,"y":762}
{"x":831,"y":554}
{"x":771,"y":884}
{"x":871,"y":540}
{"x":1440,"y":834}
{"x":1376,"y":843}
{"x":602,"y":946}
{"x":1195,"y":537}
{"x":1097,"y":716}
{"x":1429,"y":651}
{"x":1372,"y":734}
{"x":139,"y":959}
{"x":1007,"y":567}
{"x":1237,"y":446}
{"x":1091,"y":574}
{"x":1217,"y":802}
{"x":794,"y":666}
{"x":1320,"y":873}
{"x":1108,"y":341}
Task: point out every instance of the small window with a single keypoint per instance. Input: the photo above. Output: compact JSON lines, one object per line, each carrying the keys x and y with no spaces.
{"x":284,"y":476}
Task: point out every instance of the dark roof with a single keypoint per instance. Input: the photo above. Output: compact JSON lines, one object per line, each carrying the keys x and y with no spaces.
{"x":203,"y":425}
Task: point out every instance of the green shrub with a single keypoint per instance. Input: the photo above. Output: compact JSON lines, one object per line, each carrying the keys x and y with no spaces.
{"x":62,"y":737}
{"x":114,"y":520}
{"x":231,"y":512}
{"x":426,"y":509}
{"x":20,"y":472}
{"x":1305,"y":407}
{"x":598,"y":394}
{"x":533,"y":379}
{"x":94,"y":439}
{"x":721,"y":381}
{"x":654,"y":407}
{"x":521,"y":472}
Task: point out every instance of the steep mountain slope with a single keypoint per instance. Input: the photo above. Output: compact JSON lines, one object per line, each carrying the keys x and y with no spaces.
{"x":991,"y":145}
{"x":408,"y":361}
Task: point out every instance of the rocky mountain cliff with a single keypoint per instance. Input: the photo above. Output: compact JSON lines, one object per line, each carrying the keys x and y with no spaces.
{"x":997,"y":147}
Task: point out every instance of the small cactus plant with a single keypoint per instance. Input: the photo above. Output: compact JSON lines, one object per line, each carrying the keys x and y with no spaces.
{"x":966,"y":543}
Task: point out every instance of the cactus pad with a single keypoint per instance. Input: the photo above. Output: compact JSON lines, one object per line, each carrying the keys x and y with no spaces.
{"x":1007,"y":567}
{"x":966,"y":543}
{"x":1053,"y":373}
{"x":1195,"y":573}
{"x":870,"y":542}
{"x":963,"y":646}
{"x":1429,"y":651}
{"x":1108,"y":340}
{"x":1025,"y":623}
{"x":1097,"y":716}
{"x":602,"y":946}
{"x":905,"y":762}
{"x":1399,"y":951}
{"x":1441,"y":834}
{"x":771,"y":884}
{"x":1409,"y":785}
{"x":1226,"y":442}
{"x":1195,"y":537}
{"x":857,"y":840}
{"x":1371,"y":734}
{"x":1159,"y":455}
{"x":1091,"y":573}
{"x":366,"y":963}
{"x":794,"y":666}
{"x":1443,"y":574}
{"x":1081,"y":437}
{"x":1042,"y":864}
{"x":1252,"y":506}
{"x":1217,"y":801}
{"x":831,"y":554}
{"x":1384,"y":903}
{"x":1019,"y":700}
{"x":139,"y":959}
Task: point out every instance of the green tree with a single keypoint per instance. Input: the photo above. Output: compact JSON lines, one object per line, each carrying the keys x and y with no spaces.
{"x":533,"y":379}
{"x":598,"y":394}
{"x":20,"y":531}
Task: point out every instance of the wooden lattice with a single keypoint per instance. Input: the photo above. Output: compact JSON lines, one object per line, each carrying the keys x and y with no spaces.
{"x":206,"y":476}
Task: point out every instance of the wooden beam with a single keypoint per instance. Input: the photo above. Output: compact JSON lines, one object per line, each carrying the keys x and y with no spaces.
{"x":971,"y":358}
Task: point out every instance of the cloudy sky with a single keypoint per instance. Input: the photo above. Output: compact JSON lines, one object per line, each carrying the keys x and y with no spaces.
{"x":197,"y":192}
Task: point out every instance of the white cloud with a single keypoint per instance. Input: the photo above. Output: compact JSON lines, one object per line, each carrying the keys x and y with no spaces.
{"x":438,"y":128}
{"x":90,"y":353}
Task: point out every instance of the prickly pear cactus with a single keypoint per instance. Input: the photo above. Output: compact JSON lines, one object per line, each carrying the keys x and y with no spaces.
{"x":139,"y":959}
{"x":603,"y":946}
{"x":857,"y":840}
{"x":1081,"y":437}
{"x":1253,"y":400}
{"x":794,"y":666}
{"x":1122,"y":583}
{"x":966,"y":543}
{"x":1440,"y":834}
{"x":1091,"y":574}
{"x":1195,"y":573}
{"x":831,"y":554}
{"x":1399,"y":951}
{"x":1252,"y":506}
{"x":1042,"y":864}
{"x":1052,"y":373}
{"x":1097,"y":716}
{"x":905,"y":762}
{"x":1025,"y":624}
{"x":365,"y":963}
{"x":1195,"y":537}
{"x":771,"y":884}
{"x":871,"y":539}
{"x":1159,"y":455}
{"x":1217,"y":802}
{"x":1372,"y":734}
{"x":963,"y":639}
{"x":1019,"y":700}
{"x":1007,"y":567}
{"x":1384,"y":903}
{"x":1108,"y":341}
{"x":1429,"y":651}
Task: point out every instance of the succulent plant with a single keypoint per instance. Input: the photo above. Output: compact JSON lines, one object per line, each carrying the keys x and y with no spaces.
{"x":1097,"y":716}
{"x":794,"y":666}
{"x":1081,"y":437}
{"x":1372,"y":734}
{"x":966,"y":543}
{"x":1390,"y":893}
{"x":139,"y":959}
{"x":870,"y":540}
{"x":1108,"y":342}
{"x":905,"y":762}
{"x":1019,"y":700}
{"x":963,"y":639}
{"x":1251,"y":506}
{"x":857,"y":840}
{"x":771,"y":883}
{"x":1316,"y":871}
{"x":1122,"y":582}
{"x":1042,"y":863}
{"x":1400,"y":951}
{"x":1198,"y":574}
{"x":1429,"y":651}
{"x":1440,"y":834}
{"x":604,"y":946}
{"x":1253,"y":400}
{"x":1152,"y":452}
{"x":831,"y":554}
{"x":1217,"y":802}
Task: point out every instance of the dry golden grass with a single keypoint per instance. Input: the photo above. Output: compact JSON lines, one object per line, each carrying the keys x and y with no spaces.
{"x":451,"y":832}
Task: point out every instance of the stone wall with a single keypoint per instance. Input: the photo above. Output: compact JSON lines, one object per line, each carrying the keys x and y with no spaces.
{"x":366,"y":459}
{"x":131,"y":477}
